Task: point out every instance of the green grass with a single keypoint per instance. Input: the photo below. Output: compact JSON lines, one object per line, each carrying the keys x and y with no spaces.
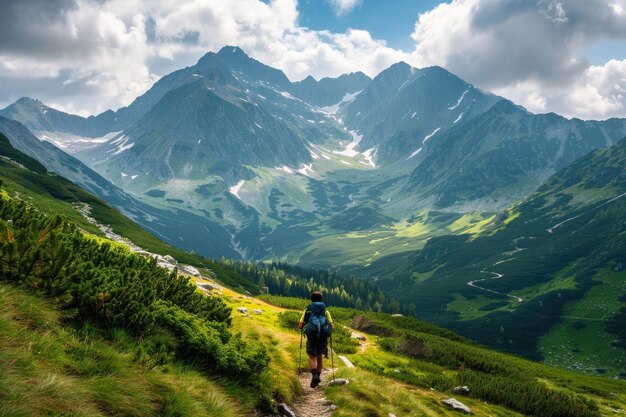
{"x":49,"y":368}
{"x":580,"y":340}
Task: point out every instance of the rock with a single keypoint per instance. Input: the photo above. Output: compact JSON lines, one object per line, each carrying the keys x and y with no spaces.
{"x":188,"y":269}
{"x":457,"y":405}
{"x":338,"y":381}
{"x":284,"y":410}
{"x":357,"y":336}
{"x":461,"y":390}
{"x":333,"y":407}
{"x":257,"y":311}
{"x":346,"y":361}
{"x":324,"y":402}
{"x":265,"y":290}
{"x":242,"y":310}
{"x":169,"y":259}
{"x":392,"y":415}
{"x":396,"y":371}
{"x":397,"y":315}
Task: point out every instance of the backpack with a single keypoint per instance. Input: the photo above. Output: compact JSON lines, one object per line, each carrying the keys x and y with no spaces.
{"x":317,"y":327}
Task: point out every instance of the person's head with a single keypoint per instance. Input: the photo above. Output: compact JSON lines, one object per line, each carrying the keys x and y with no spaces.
{"x":316,"y":296}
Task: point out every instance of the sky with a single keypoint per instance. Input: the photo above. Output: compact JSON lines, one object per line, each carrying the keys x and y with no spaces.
{"x":86,"y":56}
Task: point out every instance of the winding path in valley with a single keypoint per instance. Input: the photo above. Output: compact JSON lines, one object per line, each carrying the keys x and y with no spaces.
{"x":496,"y":275}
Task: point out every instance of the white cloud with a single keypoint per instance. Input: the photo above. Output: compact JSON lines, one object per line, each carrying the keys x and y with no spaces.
{"x":343,"y":7}
{"x":528,"y":51}
{"x":88,"y":56}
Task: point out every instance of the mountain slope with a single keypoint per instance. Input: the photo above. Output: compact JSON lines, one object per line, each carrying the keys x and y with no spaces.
{"x":210,"y":240}
{"x":550,"y":267}
{"x":505,"y":153}
{"x":196,"y":131}
{"x":404,"y":107}
{"x":329,"y":91}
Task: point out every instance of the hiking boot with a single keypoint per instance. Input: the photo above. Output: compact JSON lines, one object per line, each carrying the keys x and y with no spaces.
{"x":315,"y":378}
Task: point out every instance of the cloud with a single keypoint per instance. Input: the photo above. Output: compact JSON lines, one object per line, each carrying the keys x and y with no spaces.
{"x":87,"y":56}
{"x":527,"y":50}
{"x":343,"y":7}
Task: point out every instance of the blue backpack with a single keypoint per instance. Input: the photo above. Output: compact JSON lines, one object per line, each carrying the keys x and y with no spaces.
{"x":317,"y":327}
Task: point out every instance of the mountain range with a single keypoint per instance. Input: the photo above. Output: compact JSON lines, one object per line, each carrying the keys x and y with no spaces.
{"x":415,"y":179}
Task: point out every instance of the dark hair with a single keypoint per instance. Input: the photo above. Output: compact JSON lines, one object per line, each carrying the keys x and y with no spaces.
{"x":316,"y":296}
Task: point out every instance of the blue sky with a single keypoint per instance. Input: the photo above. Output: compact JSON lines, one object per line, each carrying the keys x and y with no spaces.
{"x":390,"y":20}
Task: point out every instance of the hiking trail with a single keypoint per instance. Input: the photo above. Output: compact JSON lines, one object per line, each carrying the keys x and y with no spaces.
{"x":313,"y":403}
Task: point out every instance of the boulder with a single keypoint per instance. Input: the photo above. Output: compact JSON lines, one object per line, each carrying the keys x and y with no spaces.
{"x":284,"y":410}
{"x":461,"y":390}
{"x":257,"y":311}
{"x":457,"y":405}
{"x":243,"y":310}
{"x":338,"y":381}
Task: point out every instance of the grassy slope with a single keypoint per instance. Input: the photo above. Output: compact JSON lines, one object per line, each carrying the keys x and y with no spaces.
{"x":47,"y":368}
{"x":389,"y":382}
{"x":564,"y":274}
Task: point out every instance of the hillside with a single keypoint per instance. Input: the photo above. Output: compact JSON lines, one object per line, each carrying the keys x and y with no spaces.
{"x":99,"y":330}
{"x":543,"y":279}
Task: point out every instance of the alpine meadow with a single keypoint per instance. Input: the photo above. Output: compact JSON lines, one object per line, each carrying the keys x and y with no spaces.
{"x":334,"y":208}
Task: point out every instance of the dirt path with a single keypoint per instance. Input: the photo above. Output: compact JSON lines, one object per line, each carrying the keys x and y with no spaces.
{"x":313,"y":403}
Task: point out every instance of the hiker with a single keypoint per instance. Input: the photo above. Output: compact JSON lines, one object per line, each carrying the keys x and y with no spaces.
{"x":317,"y":324}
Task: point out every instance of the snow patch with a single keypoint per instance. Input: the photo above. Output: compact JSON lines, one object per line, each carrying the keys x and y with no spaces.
{"x":258,"y":125}
{"x":349,"y":150}
{"x":234,"y":190}
{"x":118,"y":140}
{"x":123,"y":148}
{"x":132,"y":177}
{"x":403,"y":84}
{"x":459,"y":102}
{"x":346,"y":163}
{"x":314,"y":155}
{"x":285,"y":168}
{"x":307,"y":170}
{"x":458,"y":118}
{"x":326,"y":156}
{"x":413,"y":115}
{"x":199,"y":141}
{"x":124,"y":175}
{"x":348,"y":97}
{"x":287,"y":95}
{"x":431,"y":135}
{"x":368,"y":155}
{"x":418,"y":150}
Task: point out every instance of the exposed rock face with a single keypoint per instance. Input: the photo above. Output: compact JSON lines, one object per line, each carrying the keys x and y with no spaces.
{"x":457,"y":405}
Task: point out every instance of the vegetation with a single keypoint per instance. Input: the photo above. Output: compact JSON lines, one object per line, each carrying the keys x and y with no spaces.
{"x":294,"y":281}
{"x":106,"y":286}
{"x":50,"y":368}
{"x":411,"y":351}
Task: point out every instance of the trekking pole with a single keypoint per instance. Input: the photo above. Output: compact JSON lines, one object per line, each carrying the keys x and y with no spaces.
{"x":332,"y":356}
{"x":300,"y":357}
